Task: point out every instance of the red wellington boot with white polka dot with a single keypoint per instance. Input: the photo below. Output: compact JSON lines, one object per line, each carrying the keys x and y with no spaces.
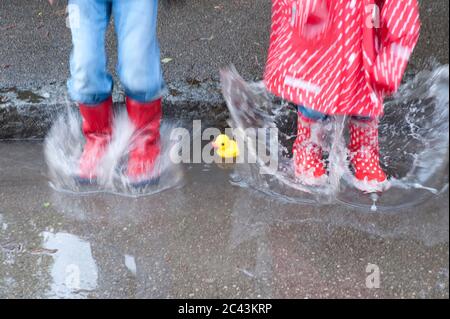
{"x":365,"y":155}
{"x":308,"y":157}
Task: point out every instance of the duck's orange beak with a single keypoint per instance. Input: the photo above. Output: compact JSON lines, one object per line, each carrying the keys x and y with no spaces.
{"x":214,"y":145}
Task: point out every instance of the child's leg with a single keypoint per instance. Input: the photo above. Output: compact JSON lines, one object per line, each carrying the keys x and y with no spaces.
{"x":308,"y":159}
{"x":140,"y":72}
{"x":365,"y":150}
{"x":90,"y":82}
{"x":139,"y":64}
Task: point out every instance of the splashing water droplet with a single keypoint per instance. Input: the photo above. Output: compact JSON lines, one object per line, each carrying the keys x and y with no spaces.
{"x":374,"y":198}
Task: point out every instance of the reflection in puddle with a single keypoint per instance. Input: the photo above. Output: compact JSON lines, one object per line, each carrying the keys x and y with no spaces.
{"x":130,"y":263}
{"x":74,"y":271}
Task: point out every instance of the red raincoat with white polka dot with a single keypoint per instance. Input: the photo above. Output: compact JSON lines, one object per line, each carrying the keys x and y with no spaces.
{"x":340,"y":56}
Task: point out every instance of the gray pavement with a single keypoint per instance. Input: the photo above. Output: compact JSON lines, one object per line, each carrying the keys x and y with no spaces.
{"x":208,"y":239}
{"x":200,"y":36}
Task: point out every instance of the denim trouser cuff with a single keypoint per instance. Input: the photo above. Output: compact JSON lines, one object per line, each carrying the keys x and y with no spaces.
{"x":318,"y":116}
{"x":146,"y":97}
{"x":88,"y":99}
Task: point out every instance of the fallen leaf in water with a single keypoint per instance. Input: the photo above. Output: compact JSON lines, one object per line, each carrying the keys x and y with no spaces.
{"x":61,"y":12}
{"x":46,"y":205}
{"x":193,"y":82}
{"x":166,"y":60}
{"x":9,"y":27}
{"x":207,"y":39}
{"x":43,"y":251}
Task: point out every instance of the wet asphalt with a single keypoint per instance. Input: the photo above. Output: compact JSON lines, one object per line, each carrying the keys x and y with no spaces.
{"x":208,"y":239}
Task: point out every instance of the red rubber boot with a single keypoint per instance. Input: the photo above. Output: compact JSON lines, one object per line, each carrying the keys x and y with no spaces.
{"x":96,"y":128}
{"x":308,"y":158}
{"x":365,"y":152}
{"x":145,"y":152}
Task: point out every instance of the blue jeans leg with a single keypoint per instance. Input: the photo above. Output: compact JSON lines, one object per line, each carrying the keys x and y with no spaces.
{"x":317,"y":116}
{"x":90,"y":82}
{"x":139,"y":64}
{"x":311,"y":114}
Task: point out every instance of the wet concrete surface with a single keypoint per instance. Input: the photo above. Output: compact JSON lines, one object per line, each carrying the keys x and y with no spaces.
{"x":207,"y":239}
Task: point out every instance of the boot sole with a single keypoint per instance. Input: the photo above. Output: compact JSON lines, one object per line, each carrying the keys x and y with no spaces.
{"x":145,"y":183}
{"x":371,"y":187}
{"x":85,"y":181}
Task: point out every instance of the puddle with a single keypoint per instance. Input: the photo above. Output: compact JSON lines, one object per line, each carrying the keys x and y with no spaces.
{"x":208,"y":239}
{"x":74,"y":271}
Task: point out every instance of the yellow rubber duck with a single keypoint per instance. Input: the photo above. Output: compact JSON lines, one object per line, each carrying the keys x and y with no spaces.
{"x":226,"y":147}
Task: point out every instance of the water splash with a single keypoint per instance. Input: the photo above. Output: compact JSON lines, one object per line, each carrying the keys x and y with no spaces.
{"x":413,"y":136}
{"x":63,"y":148}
